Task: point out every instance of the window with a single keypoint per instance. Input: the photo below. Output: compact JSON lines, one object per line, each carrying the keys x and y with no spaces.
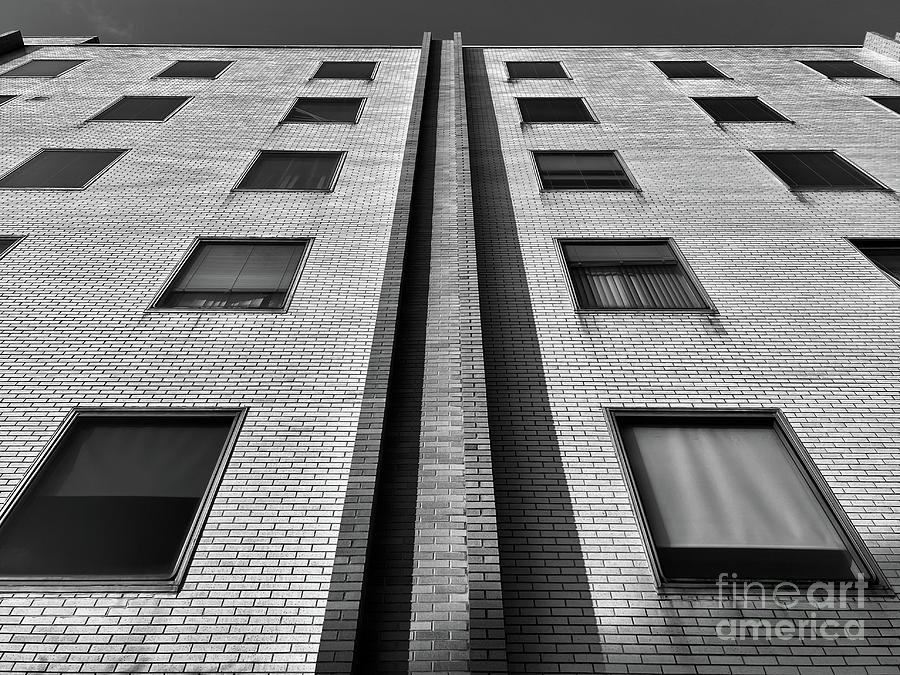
{"x":723,"y":493}
{"x":834,"y":69}
{"x":557,"y":109}
{"x":243,"y":275}
{"x":629,"y":274}
{"x":535,"y":70}
{"x":346,"y":70}
{"x":884,"y":254}
{"x":67,"y":169}
{"x":206,"y":69}
{"x":581,"y":171}
{"x":817,"y":170}
{"x":889,"y":102}
{"x":324,"y":110}
{"x":738,"y":109}
{"x":43,"y":68}
{"x":142,"y":108}
{"x":6,"y":98}
{"x":6,"y":243}
{"x":274,"y":170}
{"x":679,"y":70}
{"x":118,"y":496}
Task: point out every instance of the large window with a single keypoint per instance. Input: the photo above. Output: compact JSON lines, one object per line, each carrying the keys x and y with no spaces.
{"x":581,"y":171}
{"x":723,"y":493}
{"x":324,"y":110}
{"x":556,"y":109}
{"x":817,"y":170}
{"x":43,"y":68}
{"x":142,"y":108}
{"x":834,"y":69}
{"x":200,"y":69}
{"x":117,"y":498}
{"x":64,"y":169}
{"x":629,"y":274}
{"x":346,"y":70}
{"x":889,"y":102}
{"x":535,"y":70}
{"x":680,"y":70}
{"x":738,"y":109}
{"x":275,"y":170}
{"x":236,"y":275}
{"x":884,"y":254}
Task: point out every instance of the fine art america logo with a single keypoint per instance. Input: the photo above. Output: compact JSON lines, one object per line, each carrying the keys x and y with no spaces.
{"x":828,"y":596}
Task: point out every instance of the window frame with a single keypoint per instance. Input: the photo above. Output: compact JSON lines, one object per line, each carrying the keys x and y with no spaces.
{"x":855,"y":242}
{"x":560,"y":242}
{"x":587,"y":107}
{"x":783,"y":120}
{"x":566,"y":74}
{"x":834,"y":78}
{"x":321,"y":62}
{"x":882,"y":105}
{"x":45,"y":77}
{"x":797,"y":453}
{"x":635,"y":187}
{"x":200,"y":239}
{"x":160,"y":75}
{"x":878,"y":187}
{"x":122,"y":151}
{"x":362,"y":104}
{"x":187,"y":99}
{"x":261,"y":152}
{"x":135,"y":583}
{"x":722,"y":75}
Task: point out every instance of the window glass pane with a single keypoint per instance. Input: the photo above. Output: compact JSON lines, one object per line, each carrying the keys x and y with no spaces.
{"x":324,"y":110}
{"x":817,"y":169}
{"x":581,"y":171}
{"x":195,"y":69}
{"x":889,"y":102}
{"x":555,"y":109}
{"x":292,"y":171}
{"x":117,"y":497}
{"x":43,"y":68}
{"x":143,"y":108}
{"x":535,"y":69}
{"x":60,"y":169}
{"x":352,"y":70}
{"x":885,"y":254}
{"x":5,"y":243}
{"x":4,"y":99}
{"x":738,"y":109}
{"x":841,"y":69}
{"x":688,"y":69}
{"x":726,"y":496}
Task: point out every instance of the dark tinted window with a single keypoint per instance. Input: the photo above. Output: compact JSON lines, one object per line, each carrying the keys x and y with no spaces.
{"x":117,"y":497}
{"x":885,"y":253}
{"x":60,"y":169}
{"x":555,"y":109}
{"x":292,"y":171}
{"x":42,"y":68}
{"x":889,"y":102}
{"x":350,"y":70}
{"x":236,"y":275}
{"x":5,"y":99}
{"x":581,"y":171}
{"x":676,"y":70}
{"x":629,"y":275}
{"x":5,"y":243}
{"x":738,"y":109}
{"x":195,"y":69}
{"x":520,"y":70}
{"x":142,"y":108}
{"x":819,"y":169}
{"x":841,"y":69}
{"x":324,"y":110}
{"x":725,"y":494}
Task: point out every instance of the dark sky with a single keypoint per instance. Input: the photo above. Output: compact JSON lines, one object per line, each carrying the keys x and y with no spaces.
{"x":530,"y":22}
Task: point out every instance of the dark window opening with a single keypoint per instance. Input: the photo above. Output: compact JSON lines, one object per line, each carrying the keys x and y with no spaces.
{"x":621,"y":274}
{"x":884,"y":254}
{"x":236,"y":275}
{"x":841,"y":69}
{"x":204,"y":69}
{"x":581,"y":171}
{"x":142,"y":108}
{"x":533,"y":70}
{"x":324,"y":110}
{"x":274,"y":170}
{"x":889,"y":102}
{"x":60,"y":169}
{"x":556,"y":109}
{"x":677,"y":70}
{"x":817,"y":170}
{"x":43,"y":68}
{"x":117,"y":497}
{"x":5,"y":243}
{"x":346,"y":70}
{"x":738,"y":109}
{"x":6,"y":98}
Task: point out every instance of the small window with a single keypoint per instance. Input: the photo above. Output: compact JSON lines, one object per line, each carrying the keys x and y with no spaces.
{"x":629,"y":274}
{"x":817,"y":170}
{"x":6,"y":243}
{"x":535,"y":70}
{"x":834,"y":69}
{"x":205,"y":69}
{"x":884,"y":254}
{"x":6,"y":99}
{"x":275,"y":170}
{"x":723,"y":494}
{"x":43,"y":68}
{"x":236,"y":275}
{"x":680,"y":70}
{"x":346,"y":70}
{"x":581,"y":171}
{"x":63,"y":169}
{"x":324,"y":110}
{"x":117,"y":498}
{"x":738,"y":109}
{"x":556,"y":109}
{"x":142,"y":108}
{"x":889,"y":102}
